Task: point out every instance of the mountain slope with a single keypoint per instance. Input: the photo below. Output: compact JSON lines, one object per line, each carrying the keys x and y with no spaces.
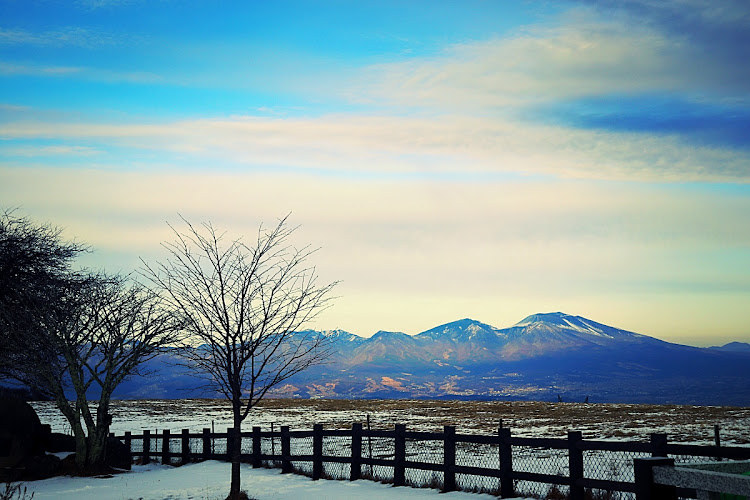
{"x":733,"y":347}
{"x":539,"y":357}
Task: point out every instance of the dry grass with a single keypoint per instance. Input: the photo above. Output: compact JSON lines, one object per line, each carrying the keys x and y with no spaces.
{"x":605,"y":421}
{"x":630,"y":422}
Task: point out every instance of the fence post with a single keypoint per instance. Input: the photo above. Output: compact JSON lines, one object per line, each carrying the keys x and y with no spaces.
{"x":449,"y":458}
{"x":356,"y":469}
{"x":129,"y":441}
{"x":658,"y":445}
{"x":166,"y":457}
{"x":717,"y":440}
{"x":506,"y":464}
{"x":317,"y":451}
{"x":645,"y":488}
{"x":185,"y":446}
{"x":206,"y":444}
{"x":399,"y":471}
{"x":230,"y":442}
{"x":146,"y":446}
{"x":256,"y":448}
{"x":286,"y":463}
{"x":575,"y":464}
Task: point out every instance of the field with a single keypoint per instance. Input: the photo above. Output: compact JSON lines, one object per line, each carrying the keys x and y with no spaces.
{"x":684,"y":424}
{"x":614,"y":422}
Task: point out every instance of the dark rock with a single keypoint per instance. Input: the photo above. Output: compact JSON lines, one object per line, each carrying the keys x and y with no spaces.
{"x":40,"y":467}
{"x":118,"y":455}
{"x":21,"y":433}
{"x":61,"y":442}
{"x":68,"y":465}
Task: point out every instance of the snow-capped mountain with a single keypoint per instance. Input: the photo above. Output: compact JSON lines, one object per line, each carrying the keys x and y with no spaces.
{"x":567,"y":322}
{"x":540,"y":357}
{"x":540,"y":334}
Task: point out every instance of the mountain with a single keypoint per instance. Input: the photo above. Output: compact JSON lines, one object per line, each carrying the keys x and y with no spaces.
{"x":543,"y":334}
{"x":540,"y":357}
{"x":733,"y":347}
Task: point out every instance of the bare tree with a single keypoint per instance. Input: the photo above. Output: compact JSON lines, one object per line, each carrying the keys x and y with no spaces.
{"x":99,"y":332}
{"x":75,"y":333}
{"x":34,"y":264}
{"x":243,"y":307}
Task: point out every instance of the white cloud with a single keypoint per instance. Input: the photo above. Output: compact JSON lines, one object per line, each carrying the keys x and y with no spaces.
{"x":37,"y":70}
{"x":448,"y":145}
{"x":584,"y":55}
{"x":65,"y":36}
{"x":59,"y":150}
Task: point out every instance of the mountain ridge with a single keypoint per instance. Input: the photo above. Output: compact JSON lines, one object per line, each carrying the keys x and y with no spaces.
{"x":540,"y":357}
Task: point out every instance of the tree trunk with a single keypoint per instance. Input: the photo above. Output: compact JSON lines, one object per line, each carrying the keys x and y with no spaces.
{"x":97,"y":449}
{"x":82,"y":447}
{"x":234,"y":490}
{"x":73,"y":417}
{"x":97,"y":453}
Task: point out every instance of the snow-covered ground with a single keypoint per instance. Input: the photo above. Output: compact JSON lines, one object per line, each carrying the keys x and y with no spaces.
{"x":210,"y":481}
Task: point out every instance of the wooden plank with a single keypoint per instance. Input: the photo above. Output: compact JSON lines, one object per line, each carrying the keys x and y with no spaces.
{"x":377,"y":461}
{"x":423,"y":466}
{"x":206,"y":436}
{"x":478,"y":471}
{"x":399,"y":472}
{"x":659,"y":444}
{"x":146,"y":446}
{"x":185,"y":446}
{"x":317,"y":452}
{"x":383,"y":434}
{"x":286,"y":464}
{"x":507,"y":489}
{"x":166,"y":456}
{"x":449,"y":458}
{"x":575,"y":464}
{"x":424,"y":436}
{"x":356,"y":460}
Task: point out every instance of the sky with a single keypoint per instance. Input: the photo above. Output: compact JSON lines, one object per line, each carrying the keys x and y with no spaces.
{"x":457,"y":159}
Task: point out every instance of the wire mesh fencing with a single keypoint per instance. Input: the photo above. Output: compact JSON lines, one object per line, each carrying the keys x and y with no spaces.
{"x":300,"y":446}
{"x":337,"y":446}
{"x":425,"y":451}
{"x":496,"y":464}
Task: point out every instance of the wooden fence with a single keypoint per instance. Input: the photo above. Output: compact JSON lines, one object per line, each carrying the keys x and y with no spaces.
{"x":358,"y":455}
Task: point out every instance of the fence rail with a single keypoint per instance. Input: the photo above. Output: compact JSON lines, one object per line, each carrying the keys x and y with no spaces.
{"x":499,"y":463}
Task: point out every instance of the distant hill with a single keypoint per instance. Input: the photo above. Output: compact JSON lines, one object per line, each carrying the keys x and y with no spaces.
{"x":733,"y":347}
{"x":540,"y":357}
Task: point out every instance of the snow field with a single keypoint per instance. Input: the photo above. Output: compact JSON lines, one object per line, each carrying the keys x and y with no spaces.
{"x":210,"y":481}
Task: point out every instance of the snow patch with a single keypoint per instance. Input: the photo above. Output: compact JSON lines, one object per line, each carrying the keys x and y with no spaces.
{"x":211,"y":480}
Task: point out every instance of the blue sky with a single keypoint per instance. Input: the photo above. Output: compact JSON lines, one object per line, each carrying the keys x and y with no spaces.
{"x":450,"y":159}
